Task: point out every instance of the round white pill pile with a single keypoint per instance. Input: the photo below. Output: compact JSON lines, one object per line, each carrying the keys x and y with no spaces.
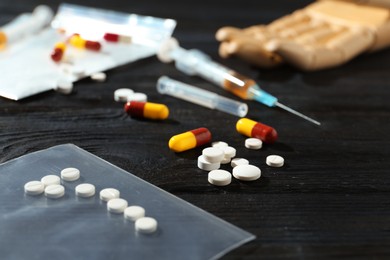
{"x":50,"y":180}
{"x":54,"y":191}
{"x":34,"y":188}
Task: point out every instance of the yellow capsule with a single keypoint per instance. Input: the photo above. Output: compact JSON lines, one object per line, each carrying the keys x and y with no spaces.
{"x":77,"y":41}
{"x":188,"y":140}
{"x":60,"y":45}
{"x":147,"y":110}
{"x":3,"y":40}
{"x":255,"y":129}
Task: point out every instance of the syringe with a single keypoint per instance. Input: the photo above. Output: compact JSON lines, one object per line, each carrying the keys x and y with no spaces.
{"x":166,"y":85}
{"x":195,"y":62}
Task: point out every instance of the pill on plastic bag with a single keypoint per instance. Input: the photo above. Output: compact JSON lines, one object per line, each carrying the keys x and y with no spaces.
{"x":64,"y":87}
{"x":99,"y":76}
{"x":275,"y":161}
{"x":54,"y":191}
{"x":134,"y":212}
{"x":109,"y":194}
{"x":34,"y":188}
{"x":50,"y":180}
{"x":85,"y":190}
{"x":220,"y":177}
{"x":146,"y":225}
{"x":116,"y":205}
{"x":246,"y":172}
{"x":188,"y":140}
{"x":70,"y":174}
{"x":255,"y":129}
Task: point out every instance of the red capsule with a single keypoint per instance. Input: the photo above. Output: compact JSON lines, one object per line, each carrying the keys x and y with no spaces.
{"x":147,"y":110}
{"x":92,"y":45}
{"x":191,"y":139}
{"x":113,"y":37}
{"x":255,"y":129}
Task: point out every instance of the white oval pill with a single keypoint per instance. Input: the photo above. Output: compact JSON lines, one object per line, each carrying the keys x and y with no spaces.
{"x":109,"y":194}
{"x":239,"y":161}
{"x":116,"y":205}
{"x":140,"y":97}
{"x":85,"y":190}
{"x":220,"y":177}
{"x":146,"y":225}
{"x":212,"y":154}
{"x":50,"y":180}
{"x":70,"y":174}
{"x":34,"y":188}
{"x":246,"y":172}
{"x":54,"y":191}
{"x":219,"y":144}
{"x":99,"y":76}
{"x":229,"y":151}
{"x":64,"y":87}
{"x":253,"y":143}
{"x":206,"y":165}
{"x":134,"y":212}
{"x":275,"y":161}
{"x":122,"y":94}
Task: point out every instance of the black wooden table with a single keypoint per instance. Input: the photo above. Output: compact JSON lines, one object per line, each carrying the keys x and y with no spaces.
{"x":331,"y":199}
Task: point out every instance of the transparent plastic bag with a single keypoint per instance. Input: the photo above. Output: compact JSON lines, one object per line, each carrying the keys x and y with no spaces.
{"x":35,"y":227}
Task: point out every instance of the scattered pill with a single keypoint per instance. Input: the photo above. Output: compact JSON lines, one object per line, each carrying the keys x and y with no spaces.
{"x":123,"y":94}
{"x":147,"y":110}
{"x":70,"y":174}
{"x":64,"y":87}
{"x":85,"y":190}
{"x":219,"y":144}
{"x":78,"y":71}
{"x":229,"y":151}
{"x":255,"y":129}
{"x":50,"y":180}
{"x":239,"y":161}
{"x":212,"y":154}
{"x":146,"y":225}
{"x":78,"y":42}
{"x":275,"y":161}
{"x":246,"y":172}
{"x":134,"y":212}
{"x":188,"y":140}
{"x":58,"y":51}
{"x":99,"y":76}
{"x":116,"y":205}
{"x":54,"y":191}
{"x":220,"y":177}
{"x":203,"y":164}
{"x":253,"y":143}
{"x":113,"y":37}
{"x":109,"y":194}
{"x":141,"y":97}
{"x":226,"y":160}
{"x":34,"y":188}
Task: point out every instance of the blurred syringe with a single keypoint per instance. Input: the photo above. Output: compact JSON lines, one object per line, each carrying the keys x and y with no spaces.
{"x":195,"y":62}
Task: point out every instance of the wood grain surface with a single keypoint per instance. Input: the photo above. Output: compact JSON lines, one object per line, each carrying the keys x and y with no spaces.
{"x":330,"y":200}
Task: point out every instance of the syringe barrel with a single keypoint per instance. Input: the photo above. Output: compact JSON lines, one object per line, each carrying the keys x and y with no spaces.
{"x":166,"y":85}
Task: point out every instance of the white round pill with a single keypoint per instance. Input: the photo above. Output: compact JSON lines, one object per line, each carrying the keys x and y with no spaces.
{"x":54,"y":191}
{"x":253,"y":143}
{"x":140,"y":97}
{"x":70,"y":174}
{"x":78,"y":71}
{"x":275,"y":161}
{"x":85,"y":190}
{"x":34,"y":188}
{"x":146,"y":225}
{"x":206,"y":165}
{"x":122,"y":94}
{"x":99,"y":76}
{"x":246,"y":172}
{"x":219,"y":144}
{"x":116,"y":205}
{"x":134,"y":212}
{"x":64,"y":87}
{"x":226,"y":160}
{"x":229,"y":151}
{"x":212,"y":154}
{"x":109,"y":194}
{"x":239,"y":161}
{"x":220,"y":177}
{"x":50,"y":180}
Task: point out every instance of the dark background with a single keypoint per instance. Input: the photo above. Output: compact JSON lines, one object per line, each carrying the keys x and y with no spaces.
{"x":331,"y":199}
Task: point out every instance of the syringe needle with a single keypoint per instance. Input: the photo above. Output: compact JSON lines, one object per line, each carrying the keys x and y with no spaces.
{"x":296,"y":113}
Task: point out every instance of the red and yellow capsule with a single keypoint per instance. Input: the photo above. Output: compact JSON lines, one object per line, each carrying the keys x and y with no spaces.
{"x":147,"y":110}
{"x":113,"y":37}
{"x":255,"y":129}
{"x":77,"y":41}
{"x":58,"y":51}
{"x":188,"y":140}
